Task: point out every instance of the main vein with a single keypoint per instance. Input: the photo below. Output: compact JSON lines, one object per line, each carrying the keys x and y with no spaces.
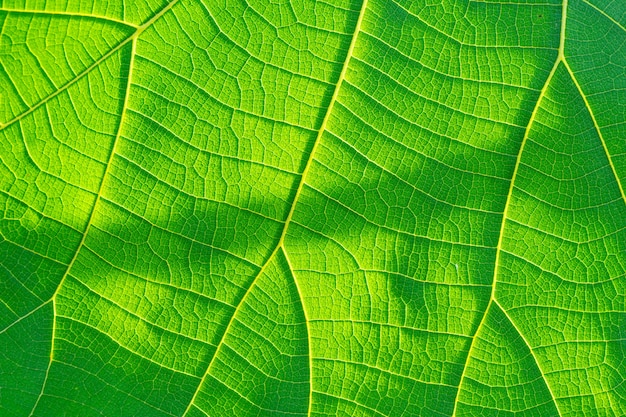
{"x":280,"y":244}
{"x":492,"y":297}
{"x":133,"y":39}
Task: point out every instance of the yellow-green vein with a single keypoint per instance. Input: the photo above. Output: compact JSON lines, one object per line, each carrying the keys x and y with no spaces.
{"x":492,"y":296}
{"x":281,"y":239}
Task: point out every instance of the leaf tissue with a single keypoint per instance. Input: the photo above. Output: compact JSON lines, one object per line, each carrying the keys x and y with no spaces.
{"x":374,"y":208}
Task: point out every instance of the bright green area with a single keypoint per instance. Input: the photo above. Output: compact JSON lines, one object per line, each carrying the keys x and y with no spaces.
{"x":310,"y":208}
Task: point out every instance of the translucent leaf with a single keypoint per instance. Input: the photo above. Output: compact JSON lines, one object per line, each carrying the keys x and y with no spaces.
{"x":344,"y":208}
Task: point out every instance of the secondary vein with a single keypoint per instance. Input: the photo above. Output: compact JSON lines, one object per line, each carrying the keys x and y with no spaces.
{"x":90,"y":68}
{"x":69,"y":14}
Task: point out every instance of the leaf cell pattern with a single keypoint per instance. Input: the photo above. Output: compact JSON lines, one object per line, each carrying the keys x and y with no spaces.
{"x":315,"y":208}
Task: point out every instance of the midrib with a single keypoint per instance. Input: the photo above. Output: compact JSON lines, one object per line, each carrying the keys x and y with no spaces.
{"x":133,"y":39}
{"x":280,"y":244}
{"x":492,"y":297}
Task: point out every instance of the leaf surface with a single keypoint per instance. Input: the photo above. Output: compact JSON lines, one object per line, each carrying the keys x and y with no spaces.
{"x":347,"y":208}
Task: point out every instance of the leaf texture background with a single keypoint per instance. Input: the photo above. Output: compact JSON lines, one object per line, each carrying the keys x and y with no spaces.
{"x":315,"y":208}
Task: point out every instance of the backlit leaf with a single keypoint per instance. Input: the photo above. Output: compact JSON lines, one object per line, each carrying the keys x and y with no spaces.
{"x":312,"y":208}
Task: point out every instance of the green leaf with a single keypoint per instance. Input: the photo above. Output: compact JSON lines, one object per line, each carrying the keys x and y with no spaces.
{"x":346,"y":208}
